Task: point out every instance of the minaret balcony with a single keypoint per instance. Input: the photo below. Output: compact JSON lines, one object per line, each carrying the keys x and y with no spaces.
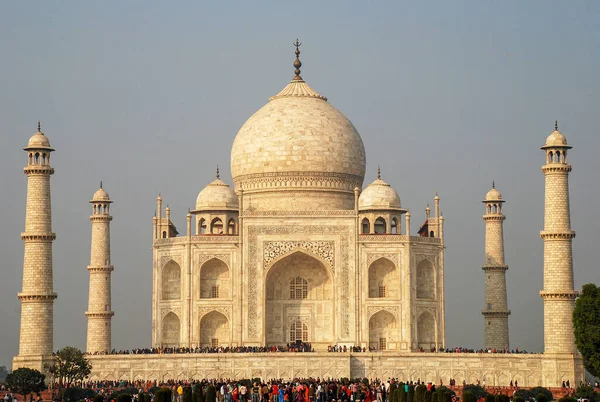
{"x":562,"y":235}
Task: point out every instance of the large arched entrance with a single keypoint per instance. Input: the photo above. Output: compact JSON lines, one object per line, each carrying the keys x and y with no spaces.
{"x":299,"y":301}
{"x":214,"y":330}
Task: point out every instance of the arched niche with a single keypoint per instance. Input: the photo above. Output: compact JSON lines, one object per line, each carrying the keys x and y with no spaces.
{"x":214,"y":330}
{"x":171,"y":330}
{"x":215,"y":280}
{"x":383,"y":328}
{"x":426,"y":331}
{"x":425,"y":280}
{"x":383,"y":279}
{"x":171,"y":281}
{"x":380,"y":226}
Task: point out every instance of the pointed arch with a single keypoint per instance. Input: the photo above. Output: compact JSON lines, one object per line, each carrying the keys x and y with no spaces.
{"x":231,"y":229}
{"x":171,"y":330}
{"x":216,"y":226}
{"x":395,"y":225}
{"x":380,"y":226}
{"x":171,"y":281}
{"x":383,"y":328}
{"x":202,"y":227}
{"x":214,"y":330}
{"x":215,"y":280}
{"x":366,"y":226}
{"x":426,"y":330}
{"x":299,"y":286}
{"x":425,"y":280}
{"x":383,"y":277}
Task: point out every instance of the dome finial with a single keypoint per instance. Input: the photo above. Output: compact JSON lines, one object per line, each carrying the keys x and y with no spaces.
{"x":39,"y":127}
{"x":218,"y":176}
{"x":555,"y":125}
{"x":297,"y":63}
{"x":378,"y":172}
{"x":493,"y":184}
{"x":100,"y":183}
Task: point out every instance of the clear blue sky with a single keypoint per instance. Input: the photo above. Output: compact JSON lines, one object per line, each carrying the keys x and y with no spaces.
{"x":148,"y":96}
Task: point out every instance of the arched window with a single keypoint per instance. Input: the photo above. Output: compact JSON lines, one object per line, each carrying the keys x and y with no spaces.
{"x":231,"y":227}
{"x":432,"y":234}
{"x":366,"y":226}
{"x":216,"y":226}
{"x":557,"y":156}
{"x":164,"y":234}
{"x":37,"y":158}
{"x":44,"y":158}
{"x":550,"y":157}
{"x":30,"y":158}
{"x":380,"y":225}
{"x":171,"y":281}
{"x":298,"y":331}
{"x":202,"y":226}
{"x":298,"y":288}
{"x":395,"y":226}
{"x":489,"y":209}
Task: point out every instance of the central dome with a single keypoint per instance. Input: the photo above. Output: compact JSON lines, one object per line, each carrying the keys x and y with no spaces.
{"x":298,"y":144}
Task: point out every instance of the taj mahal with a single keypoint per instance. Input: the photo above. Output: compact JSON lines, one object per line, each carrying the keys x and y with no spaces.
{"x":298,"y":249}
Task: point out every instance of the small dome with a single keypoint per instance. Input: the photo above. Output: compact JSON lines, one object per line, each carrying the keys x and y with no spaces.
{"x":100,"y":195}
{"x":217,"y":196}
{"x":38,"y":141}
{"x":379,"y":195}
{"x":493,"y":195}
{"x":556,"y":139}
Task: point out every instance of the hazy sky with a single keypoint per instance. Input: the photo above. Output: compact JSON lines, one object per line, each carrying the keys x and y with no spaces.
{"x":148,"y":97}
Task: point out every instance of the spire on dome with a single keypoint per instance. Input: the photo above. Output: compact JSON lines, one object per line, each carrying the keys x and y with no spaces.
{"x":218,"y":176}
{"x":297,"y":63}
{"x":100,"y":183}
{"x":379,"y":172}
{"x":39,"y":127}
{"x":555,"y":125}
{"x":493,"y":184}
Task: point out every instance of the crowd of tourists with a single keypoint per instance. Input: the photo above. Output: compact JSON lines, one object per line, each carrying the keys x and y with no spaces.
{"x":467,"y":350}
{"x":290,"y":347}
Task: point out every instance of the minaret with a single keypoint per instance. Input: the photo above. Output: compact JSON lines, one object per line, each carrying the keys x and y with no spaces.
{"x":558,"y":294}
{"x":99,"y":312}
{"x":495,"y":312}
{"x":37,"y":295}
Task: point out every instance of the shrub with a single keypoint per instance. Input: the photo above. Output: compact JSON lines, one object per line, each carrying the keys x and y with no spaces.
{"x":491,"y":398}
{"x":567,"y":398}
{"x":410,"y":397}
{"x":187,"y":394}
{"x":541,"y":390}
{"x":587,"y":392}
{"x":163,"y":395}
{"x":434,"y":397}
{"x":469,"y":396}
{"x":518,"y":399}
{"x":394,"y":395}
{"x":124,"y":398}
{"x":541,"y":398}
{"x":443,"y":388}
{"x":523,"y":393}
{"x":401,"y":393}
{"x":211,"y":394}
{"x":502,"y":398}
{"x":478,"y":391}
{"x":99,"y":398}
{"x":420,"y":393}
{"x":392,"y":387}
{"x":74,"y":394}
{"x":427,"y":395}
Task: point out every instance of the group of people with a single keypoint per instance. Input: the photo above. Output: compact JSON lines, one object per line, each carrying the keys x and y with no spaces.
{"x":290,"y":347}
{"x":467,"y":350}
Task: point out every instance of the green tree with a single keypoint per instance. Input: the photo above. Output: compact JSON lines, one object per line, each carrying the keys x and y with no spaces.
{"x":211,"y":394}
{"x":469,"y":396}
{"x":586,"y":324}
{"x":587,"y":392}
{"x":69,"y":365}
{"x":410,"y":397}
{"x":163,"y":395}
{"x":478,"y":392}
{"x":24,"y":381}
{"x":3,"y":373}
